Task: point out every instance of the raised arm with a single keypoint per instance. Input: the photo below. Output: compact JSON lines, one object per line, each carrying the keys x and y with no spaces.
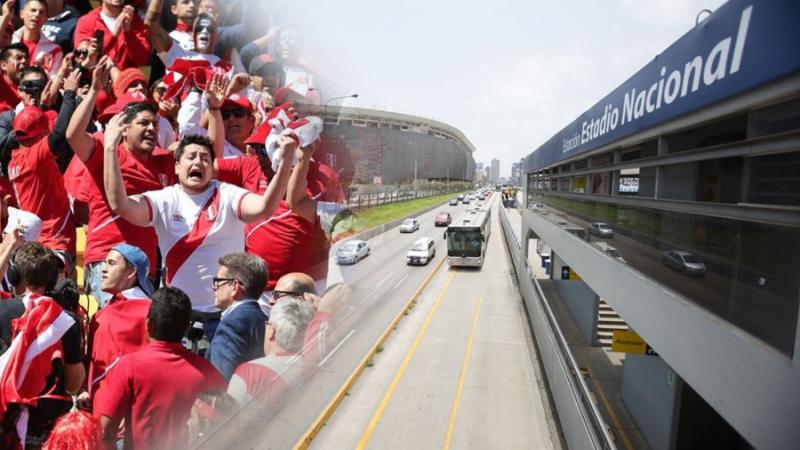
{"x":159,"y":37}
{"x":82,"y":143}
{"x":133,"y":209}
{"x":256,"y":207}
{"x":296,"y":196}
{"x":215,"y":96}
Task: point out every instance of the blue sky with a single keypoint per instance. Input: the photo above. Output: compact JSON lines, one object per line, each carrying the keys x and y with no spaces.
{"x":509,"y":74}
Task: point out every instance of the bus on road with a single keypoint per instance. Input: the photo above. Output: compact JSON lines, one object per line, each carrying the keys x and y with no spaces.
{"x":467,"y":238}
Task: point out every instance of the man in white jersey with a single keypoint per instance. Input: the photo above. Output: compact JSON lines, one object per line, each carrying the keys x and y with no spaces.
{"x":198,"y":220}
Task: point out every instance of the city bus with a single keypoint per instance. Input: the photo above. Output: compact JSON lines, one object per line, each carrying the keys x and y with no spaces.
{"x":467,"y":238}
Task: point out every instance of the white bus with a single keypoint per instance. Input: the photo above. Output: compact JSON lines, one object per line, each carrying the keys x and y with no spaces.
{"x":467,"y":238}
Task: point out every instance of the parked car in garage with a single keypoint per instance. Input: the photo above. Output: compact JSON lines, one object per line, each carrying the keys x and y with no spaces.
{"x":684,"y":262}
{"x":409,"y":226}
{"x":352,"y":252}
{"x":443,"y":219}
{"x":600,"y":229}
{"x":422,"y":251}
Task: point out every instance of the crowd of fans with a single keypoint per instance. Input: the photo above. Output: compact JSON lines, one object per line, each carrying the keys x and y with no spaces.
{"x":178,"y":137}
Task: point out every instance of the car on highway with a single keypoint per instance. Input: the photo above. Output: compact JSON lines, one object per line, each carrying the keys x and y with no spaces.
{"x":443,"y":219}
{"x":465,"y":201}
{"x":453,"y":202}
{"x":422,"y":251}
{"x":684,"y":262}
{"x":409,"y":226}
{"x":609,"y":250}
{"x":600,"y":229}
{"x":352,"y":252}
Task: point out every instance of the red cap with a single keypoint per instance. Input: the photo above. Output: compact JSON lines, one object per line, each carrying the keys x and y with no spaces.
{"x":30,"y":122}
{"x":237,"y":101}
{"x":123,"y":101}
{"x":260,"y":135}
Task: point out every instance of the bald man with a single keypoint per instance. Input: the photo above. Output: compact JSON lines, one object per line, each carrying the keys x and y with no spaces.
{"x":293,"y":284}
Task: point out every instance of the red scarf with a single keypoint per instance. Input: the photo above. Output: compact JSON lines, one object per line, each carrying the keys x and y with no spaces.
{"x":184,"y":28}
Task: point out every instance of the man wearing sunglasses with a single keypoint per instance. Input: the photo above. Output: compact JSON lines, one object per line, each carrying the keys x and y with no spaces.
{"x":240,"y":280}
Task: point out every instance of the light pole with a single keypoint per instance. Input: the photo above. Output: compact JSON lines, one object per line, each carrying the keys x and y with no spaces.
{"x":353,"y":95}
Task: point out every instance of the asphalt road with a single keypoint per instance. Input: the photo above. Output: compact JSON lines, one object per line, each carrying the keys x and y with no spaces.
{"x":381,"y":285}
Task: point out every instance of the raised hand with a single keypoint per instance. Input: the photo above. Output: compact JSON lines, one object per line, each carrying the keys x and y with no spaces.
{"x":240,"y":81}
{"x":72,"y":81}
{"x":215,"y":91}
{"x":114,"y":131}
{"x":8,"y":8}
{"x":101,"y":76}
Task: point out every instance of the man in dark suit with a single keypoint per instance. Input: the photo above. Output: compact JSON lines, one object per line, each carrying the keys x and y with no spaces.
{"x":240,"y":280}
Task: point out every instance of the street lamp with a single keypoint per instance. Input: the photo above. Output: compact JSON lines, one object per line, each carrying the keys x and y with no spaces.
{"x":353,"y":95}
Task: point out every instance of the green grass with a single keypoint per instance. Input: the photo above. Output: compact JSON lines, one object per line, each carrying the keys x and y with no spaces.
{"x":379,"y":215}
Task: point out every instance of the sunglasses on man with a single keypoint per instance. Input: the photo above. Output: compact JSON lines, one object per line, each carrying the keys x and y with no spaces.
{"x":239,"y":113}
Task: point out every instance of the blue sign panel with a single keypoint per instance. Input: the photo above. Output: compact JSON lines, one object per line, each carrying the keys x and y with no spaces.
{"x":743,"y":45}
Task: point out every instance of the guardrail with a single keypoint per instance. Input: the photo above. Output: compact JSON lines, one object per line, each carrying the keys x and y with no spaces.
{"x":581,"y":422}
{"x":360,"y":201}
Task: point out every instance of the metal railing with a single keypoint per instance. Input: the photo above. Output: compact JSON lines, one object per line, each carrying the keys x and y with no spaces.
{"x":581,"y":421}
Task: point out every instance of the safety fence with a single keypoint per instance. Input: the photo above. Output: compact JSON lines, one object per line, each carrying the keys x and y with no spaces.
{"x":581,"y":423}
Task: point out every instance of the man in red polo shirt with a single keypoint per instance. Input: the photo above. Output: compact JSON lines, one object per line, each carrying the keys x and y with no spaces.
{"x":37,"y":182}
{"x":124,"y":34}
{"x":154,"y":389}
{"x":144,"y":167}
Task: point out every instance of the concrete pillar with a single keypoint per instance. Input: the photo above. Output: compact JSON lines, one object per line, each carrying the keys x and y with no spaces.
{"x":580,"y":300}
{"x":651,"y":392}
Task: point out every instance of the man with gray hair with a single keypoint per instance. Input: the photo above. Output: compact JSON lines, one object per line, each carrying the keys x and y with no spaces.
{"x":240,"y":280}
{"x":268,"y":378}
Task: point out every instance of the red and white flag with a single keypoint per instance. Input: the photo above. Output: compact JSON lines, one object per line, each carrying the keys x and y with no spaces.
{"x":27,"y":363}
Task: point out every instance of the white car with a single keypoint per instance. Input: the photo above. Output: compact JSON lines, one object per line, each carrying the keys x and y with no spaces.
{"x":422,"y":251}
{"x":352,"y":252}
{"x":409,"y":226}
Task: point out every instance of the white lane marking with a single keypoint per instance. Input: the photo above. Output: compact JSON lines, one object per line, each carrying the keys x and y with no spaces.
{"x":337,"y":347}
{"x":400,"y":282}
{"x":383,"y":280}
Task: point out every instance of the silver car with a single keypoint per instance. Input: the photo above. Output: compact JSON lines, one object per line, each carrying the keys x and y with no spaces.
{"x":409,"y":226}
{"x":352,"y":252}
{"x":600,"y":229}
{"x":684,"y":262}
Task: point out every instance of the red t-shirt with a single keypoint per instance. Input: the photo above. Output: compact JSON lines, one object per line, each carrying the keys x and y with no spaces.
{"x":115,"y":330}
{"x":128,"y":49}
{"x":290,"y":243}
{"x":153,"y":390}
{"x":75,"y":179}
{"x":39,"y":188}
{"x":107,"y":229}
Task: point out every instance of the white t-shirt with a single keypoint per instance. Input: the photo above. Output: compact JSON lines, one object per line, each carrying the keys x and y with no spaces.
{"x":177,"y":52}
{"x":174,"y":213}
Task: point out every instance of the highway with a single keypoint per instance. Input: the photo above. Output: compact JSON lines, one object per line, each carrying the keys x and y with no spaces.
{"x":502,"y":401}
{"x":458,"y":371}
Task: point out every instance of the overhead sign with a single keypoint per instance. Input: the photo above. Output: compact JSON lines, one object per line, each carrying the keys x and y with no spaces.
{"x":741,"y":46}
{"x":626,"y":341}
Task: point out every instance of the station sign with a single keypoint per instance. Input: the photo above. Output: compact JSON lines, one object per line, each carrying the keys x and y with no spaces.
{"x":741,"y":46}
{"x":626,"y":341}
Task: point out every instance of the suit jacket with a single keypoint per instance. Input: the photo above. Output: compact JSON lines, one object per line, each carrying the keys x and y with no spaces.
{"x":239,"y":338}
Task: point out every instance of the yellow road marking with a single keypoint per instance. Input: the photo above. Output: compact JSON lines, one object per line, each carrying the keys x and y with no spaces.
{"x":457,"y":399}
{"x":401,"y":371}
{"x":327,"y":412}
